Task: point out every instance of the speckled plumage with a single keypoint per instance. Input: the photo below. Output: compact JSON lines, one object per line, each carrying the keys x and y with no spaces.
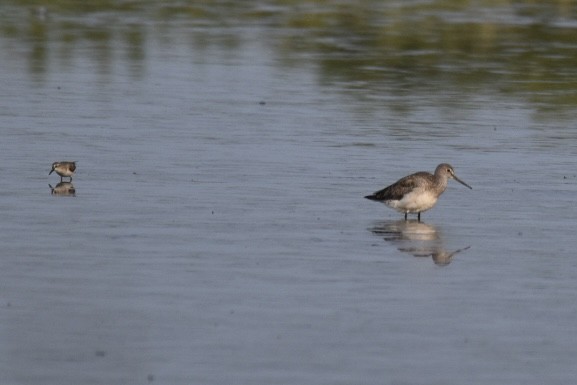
{"x":417,"y":192}
{"x":64,"y":169}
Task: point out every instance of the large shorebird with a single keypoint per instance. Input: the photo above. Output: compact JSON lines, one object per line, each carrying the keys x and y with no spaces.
{"x":417,"y":192}
{"x":64,"y":169}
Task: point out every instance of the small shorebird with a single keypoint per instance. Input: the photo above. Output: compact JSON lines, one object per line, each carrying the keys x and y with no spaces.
{"x":417,"y":192}
{"x":64,"y":169}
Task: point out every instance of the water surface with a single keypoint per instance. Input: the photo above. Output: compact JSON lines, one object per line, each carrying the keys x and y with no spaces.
{"x":218,"y":232}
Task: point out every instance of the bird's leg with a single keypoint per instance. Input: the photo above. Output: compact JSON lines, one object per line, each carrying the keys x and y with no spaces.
{"x":418,"y":217}
{"x":405,"y":216}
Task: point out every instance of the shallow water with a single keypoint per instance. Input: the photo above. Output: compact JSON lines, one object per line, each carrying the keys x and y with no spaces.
{"x":218,"y":231}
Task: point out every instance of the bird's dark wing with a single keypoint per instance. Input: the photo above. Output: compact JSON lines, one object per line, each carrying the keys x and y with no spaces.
{"x":397,"y":190}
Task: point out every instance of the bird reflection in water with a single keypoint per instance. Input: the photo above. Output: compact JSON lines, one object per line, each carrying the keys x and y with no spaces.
{"x":63,"y":189}
{"x":417,"y":238}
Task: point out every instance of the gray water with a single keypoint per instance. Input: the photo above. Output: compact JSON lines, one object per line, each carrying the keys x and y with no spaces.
{"x":218,"y":232}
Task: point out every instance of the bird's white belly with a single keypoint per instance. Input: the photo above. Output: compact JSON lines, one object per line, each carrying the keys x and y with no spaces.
{"x":64,"y":172}
{"x":414,"y":202}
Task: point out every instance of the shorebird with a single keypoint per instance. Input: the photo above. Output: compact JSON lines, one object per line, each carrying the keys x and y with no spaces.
{"x":64,"y":169}
{"x":417,"y":192}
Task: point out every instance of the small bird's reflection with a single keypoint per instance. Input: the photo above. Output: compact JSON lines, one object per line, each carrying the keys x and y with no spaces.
{"x":63,"y":189}
{"x":417,"y":238}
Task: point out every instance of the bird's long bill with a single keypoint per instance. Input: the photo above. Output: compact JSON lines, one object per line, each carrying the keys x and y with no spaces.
{"x":51,"y":171}
{"x":461,"y":182}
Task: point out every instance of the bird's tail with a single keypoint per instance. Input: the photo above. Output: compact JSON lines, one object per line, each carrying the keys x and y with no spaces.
{"x":372,"y":197}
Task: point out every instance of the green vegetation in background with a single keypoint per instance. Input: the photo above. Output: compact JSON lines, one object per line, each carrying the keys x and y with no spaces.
{"x":528,"y":46}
